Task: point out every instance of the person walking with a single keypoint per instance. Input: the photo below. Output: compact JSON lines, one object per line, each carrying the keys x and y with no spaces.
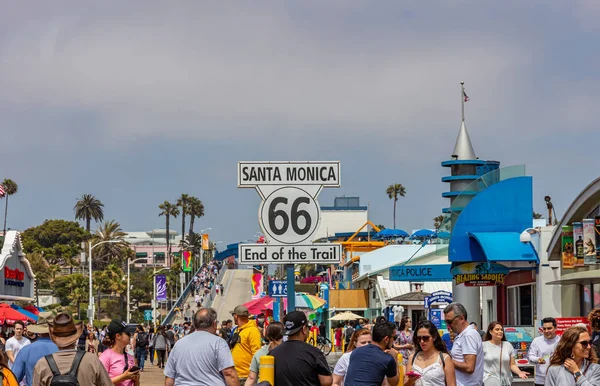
{"x":371,"y":364}
{"x":16,"y":343}
{"x":594,"y":320}
{"x":140,"y":346}
{"x":359,"y":339}
{"x":574,"y":362}
{"x":431,"y":363}
{"x":274,"y":336}
{"x":151,"y":335}
{"x":467,"y":348}
{"x":248,"y":342}
{"x":88,"y":368}
{"x":30,"y":355}
{"x":498,"y":358}
{"x":91,"y":344}
{"x":115,"y":359}
{"x":202,"y":358}
{"x":404,"y":343}
{"x":298,"y":363}
{"x":542,"y":348}
{"x":161,"y":344}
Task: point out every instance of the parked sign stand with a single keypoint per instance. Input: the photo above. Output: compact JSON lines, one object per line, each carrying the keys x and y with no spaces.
{"x":289,"y":214}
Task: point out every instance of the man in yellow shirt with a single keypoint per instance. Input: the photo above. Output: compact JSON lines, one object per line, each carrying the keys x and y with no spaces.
{"x":247,"y":342}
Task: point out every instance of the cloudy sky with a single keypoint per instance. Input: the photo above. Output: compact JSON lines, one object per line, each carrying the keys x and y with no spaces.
{"x":139,"y":101}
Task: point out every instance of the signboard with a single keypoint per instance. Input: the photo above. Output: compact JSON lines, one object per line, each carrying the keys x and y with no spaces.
{"x":161,"y":288}
{"x":186,"y":261}
{"x":14,"y":277}
{"x":252,"y":174}
{"x":147,"y":315}
{"x":578,"y":239}
{"x":479,"y":274}
{"x":437,"y":297}
{"x":568,"y":257}
{"x":277,"y":288}
{"x":205,"y":244}
{"x":318,"y":253}
{"x":589,"y":243}
{"x":563,"y":324}
{"x":257,"y":285}
{"x":421,"y":273}
{"x":435,"y":316}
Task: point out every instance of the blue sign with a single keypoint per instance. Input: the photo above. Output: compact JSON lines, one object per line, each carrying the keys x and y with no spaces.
{"x":437,"y":297}
{"x":147,"y":315}
{"x":435,"y":316}
{"x":421,"y":273}
{"x":277,"y":288}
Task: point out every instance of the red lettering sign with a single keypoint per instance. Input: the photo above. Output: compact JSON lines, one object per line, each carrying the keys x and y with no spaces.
{"x":562,"y":324}
{"x":13,"y":274}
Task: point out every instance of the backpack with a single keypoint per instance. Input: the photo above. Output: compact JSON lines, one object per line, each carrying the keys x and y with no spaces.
{"x":142,"y":340}
{"x":69,"y":379}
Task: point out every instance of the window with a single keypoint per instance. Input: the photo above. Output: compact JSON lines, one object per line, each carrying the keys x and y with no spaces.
{"x":590,"y":298}
{"x":520,"y":305}
{"x":490,"y":310}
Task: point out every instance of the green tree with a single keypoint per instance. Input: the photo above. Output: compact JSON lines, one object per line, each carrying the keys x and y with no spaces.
{"x":59,"y":241}
{"x":89,"y":208}
{"x":395,"y":191}
{"x":10,"y":188}
{"x":196,"y":210}
{"x":141,"y":285}
{"x":72,"y":289}
{"x":109,"y":281}
{"x":183,"y":202}
{"x":168,"y":210}
{"x":110,"y":253}
{"x":43,"y":272}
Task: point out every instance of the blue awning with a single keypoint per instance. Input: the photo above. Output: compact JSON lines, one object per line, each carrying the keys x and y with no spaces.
{"x":505,"y":247}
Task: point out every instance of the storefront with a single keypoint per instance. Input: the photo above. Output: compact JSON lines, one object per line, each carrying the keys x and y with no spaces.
{"x":18,"y":278}
{"x":575,"y":247}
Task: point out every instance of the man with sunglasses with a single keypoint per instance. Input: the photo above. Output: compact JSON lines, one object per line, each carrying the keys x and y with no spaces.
{"x":542,"y":348}
{"x":467,"y":349}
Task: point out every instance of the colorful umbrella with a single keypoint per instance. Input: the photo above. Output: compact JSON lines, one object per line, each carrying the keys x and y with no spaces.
{"x":32,"y":317}
{"x":304,"y":300}
{"x":8,"y":315}
{"x":259,"y":305}
{"x":32,"y":309}
{"x":347,"y":315}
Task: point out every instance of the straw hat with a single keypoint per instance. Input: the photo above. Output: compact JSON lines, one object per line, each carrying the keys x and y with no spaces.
{"x":41,"y":327}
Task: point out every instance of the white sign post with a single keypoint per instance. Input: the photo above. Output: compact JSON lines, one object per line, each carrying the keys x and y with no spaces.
{"x":289,"y":214}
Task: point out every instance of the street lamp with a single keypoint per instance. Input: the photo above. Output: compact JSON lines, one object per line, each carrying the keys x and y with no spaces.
{"x":128,"y":285}
{"x":91,"y":299}
{"x":154,"y":289}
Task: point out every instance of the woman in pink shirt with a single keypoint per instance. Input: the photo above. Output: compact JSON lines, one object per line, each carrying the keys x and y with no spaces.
{"x":116,"y":361}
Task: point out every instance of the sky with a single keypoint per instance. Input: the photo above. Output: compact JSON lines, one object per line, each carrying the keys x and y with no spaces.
{"x":137,"y":102}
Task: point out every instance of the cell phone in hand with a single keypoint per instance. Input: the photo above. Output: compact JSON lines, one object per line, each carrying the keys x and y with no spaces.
{"x":133,"y":369}
{"x":413,"y":374}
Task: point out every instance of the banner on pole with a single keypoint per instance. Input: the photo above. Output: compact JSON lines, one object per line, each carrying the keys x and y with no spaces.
{"x":205,"y":246}
{"x":161,"y":288}
{"x":257,"y":285}
{"x":186,"y":261}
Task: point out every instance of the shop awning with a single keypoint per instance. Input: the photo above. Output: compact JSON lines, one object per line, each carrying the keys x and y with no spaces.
{"x":583,"y":277}
{"x":505,"y":247}
{"x":141,"y":254}
{"x":159,"y":254}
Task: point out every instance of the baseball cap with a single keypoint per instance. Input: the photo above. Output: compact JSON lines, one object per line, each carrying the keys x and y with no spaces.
{"x":240,"y":311}
{"x":294,"y":321}
{"x":118,"y":327}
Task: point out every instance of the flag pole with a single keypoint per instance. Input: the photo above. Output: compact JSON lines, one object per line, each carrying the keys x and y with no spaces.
{"x":462,"y":98}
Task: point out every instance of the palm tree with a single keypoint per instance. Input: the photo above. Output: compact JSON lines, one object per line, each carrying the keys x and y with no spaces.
{"x":438,"y":221}
{"x":87,"y":208}
{"x":168,"y":210}
{"x":196,"y":210}
{"x":110,"y":252}
{"x":183,"y":202}
{"x":394,"y":191}
{"x":10,"y":188}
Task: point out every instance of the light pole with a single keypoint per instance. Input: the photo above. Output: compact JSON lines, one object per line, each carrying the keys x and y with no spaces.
{"x":91,"y":299}
{"x":154,"y":290}
{"x":128,"y":285}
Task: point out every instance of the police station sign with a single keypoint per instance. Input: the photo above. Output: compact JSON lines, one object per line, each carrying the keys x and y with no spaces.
{"x":289,"y":213}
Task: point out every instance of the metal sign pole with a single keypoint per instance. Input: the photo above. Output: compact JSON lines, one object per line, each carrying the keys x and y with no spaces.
{"x":291,"y":291}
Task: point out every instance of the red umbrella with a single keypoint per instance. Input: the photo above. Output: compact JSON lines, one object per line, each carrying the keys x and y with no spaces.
{"x":32,"y":309}
{"x":9,"y":315}
{"x":257,"y":306}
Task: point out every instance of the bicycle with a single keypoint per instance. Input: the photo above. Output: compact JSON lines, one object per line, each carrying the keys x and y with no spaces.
{"x":323,"y":344}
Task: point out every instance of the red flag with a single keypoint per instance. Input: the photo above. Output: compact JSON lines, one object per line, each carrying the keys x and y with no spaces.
{"x":465,"y":96}
{"x":2,"y":191}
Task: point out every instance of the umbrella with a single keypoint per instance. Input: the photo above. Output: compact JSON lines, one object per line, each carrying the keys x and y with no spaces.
{"x":32,"y":309}
{"x":304,"y":300}
{"x":422,"y":234}
{"x":390,"y":234}
{"x":33,"y":317}
{"x":443,"y":235}
{"x":9,"y":315}
{"x":347,"y":315}
{"x":257,"y":306}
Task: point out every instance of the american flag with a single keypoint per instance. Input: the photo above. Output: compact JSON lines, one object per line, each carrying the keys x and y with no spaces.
{"x":2,"y":191}
{"x":465,"y":96}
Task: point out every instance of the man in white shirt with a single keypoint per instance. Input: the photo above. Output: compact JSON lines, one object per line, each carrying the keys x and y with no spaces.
{"x":16,"y":343}
{"x":542,"y":348}
{"x":467,"y":349}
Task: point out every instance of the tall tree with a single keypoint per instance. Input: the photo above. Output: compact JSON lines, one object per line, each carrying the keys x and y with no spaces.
{"x":10,"y":188}
{"x":183,"y":202}
{"x":196,"y":210}
{"x":110,"y":253}
{"x":168,"y":210}
{"x":395,"y":191}
{"x":89,"y":208}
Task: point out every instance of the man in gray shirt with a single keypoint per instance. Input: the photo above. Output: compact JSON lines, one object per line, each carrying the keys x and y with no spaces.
{"x":201,"y":358}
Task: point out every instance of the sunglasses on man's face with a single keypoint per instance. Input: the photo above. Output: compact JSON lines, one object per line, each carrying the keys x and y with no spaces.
{"x":450,"y":321}
{"x":585,"y":343}
{"x":424,"y":338}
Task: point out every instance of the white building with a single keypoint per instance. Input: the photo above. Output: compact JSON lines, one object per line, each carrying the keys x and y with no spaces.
{"x":346,"y":215}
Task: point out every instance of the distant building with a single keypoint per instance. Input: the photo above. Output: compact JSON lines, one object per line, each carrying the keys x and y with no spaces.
{"x":153,"y":245}
{"x":345,"y":216}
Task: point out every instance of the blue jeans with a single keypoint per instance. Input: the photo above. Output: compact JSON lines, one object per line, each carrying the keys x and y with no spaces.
{"x":140,"y":356}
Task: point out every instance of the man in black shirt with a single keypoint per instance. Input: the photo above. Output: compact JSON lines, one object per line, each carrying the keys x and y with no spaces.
{"x":296,"y":362}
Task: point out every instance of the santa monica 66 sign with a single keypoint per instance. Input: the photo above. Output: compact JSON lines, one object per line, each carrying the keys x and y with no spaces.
{"x":289,"y":213}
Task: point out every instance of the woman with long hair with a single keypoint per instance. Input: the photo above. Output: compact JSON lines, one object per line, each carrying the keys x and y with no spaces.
{"x":360,"y":338}
{"x":115,"y":359}
{"x":274,"y":336}
{"x":91,"y":344}
{"x":404,"y":343}
{"x":574,"y":362}
{"x":161,"y":345}
{"x":498,"y":358}
{"x":431,"y":364}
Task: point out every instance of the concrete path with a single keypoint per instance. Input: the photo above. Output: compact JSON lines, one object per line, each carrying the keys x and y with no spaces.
{"x":152,"y":376}
{"x":236,"y":283}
